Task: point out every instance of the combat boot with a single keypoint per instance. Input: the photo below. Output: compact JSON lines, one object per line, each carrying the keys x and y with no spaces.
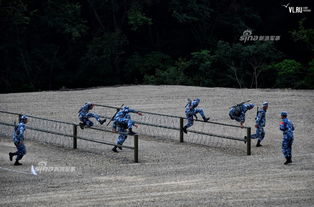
{"x":184,"y":129}
{"x":11,"y":156}
{"x":17,"y":163}
{"x":81,"y":125}
{"x":258,"y":144}
{"x":120,"y":148}
{"x":115,"y":149}
{"x":102,"y":121}
{"x":131,"y":132}
{"x":287,"y":161}
{"x":206,"y":119}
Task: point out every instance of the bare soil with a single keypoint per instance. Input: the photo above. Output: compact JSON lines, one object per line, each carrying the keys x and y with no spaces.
{"x":169,"y":173}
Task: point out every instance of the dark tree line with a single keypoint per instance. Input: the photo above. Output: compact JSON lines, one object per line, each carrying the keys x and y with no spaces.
{"x":51,"y":44}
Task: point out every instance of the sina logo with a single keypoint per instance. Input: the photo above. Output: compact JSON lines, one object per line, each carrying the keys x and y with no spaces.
{"x":247,"y":36}
{"x":296,"y":9}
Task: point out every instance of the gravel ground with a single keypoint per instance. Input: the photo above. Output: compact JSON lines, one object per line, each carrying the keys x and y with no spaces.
{"x":169,"y":173}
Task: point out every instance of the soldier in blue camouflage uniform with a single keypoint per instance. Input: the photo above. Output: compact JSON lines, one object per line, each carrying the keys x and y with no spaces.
{"x":122,"y":129}
{"x":191,"y":111}
{"x":238,"y":112}
{"x":124,"y":119}
{"x":84,"y":116}
{"x":260,"y":122}
{"x":286,"y":126}
{"x":18,"y":139}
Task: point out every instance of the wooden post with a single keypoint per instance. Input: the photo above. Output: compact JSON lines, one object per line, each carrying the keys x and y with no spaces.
{"x":136,"y":148}
{"x":74,"y":136}
{"x":248,"y":141}
{"x":181,"y":129}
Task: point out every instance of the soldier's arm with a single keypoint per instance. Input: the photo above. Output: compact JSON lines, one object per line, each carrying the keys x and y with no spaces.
{"x":282,"y":126}
{"x":258,"y":118}
{"x":135,"y":111}
{"x":292,"y":126}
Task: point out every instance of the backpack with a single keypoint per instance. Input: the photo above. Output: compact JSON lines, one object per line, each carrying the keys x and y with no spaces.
{"x":237,"y":110}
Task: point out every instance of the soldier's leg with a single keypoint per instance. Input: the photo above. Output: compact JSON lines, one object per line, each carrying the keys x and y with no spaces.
{"x":121,"y":139}
{"x":289,"y":150}
{"x":256,"y":135}
{"x":190,"y":120}
{"x":89,"y":123}
{"x":285,"y":149}
{"x":189,"y":124}
{"x":262,"y":135}
{"x":96,"y":116}
{"x":130,"y":123}
{"x":201,"y":112}
{"x":21,"y":151}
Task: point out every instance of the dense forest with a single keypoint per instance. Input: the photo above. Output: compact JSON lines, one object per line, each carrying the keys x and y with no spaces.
{"x":55,"y":44}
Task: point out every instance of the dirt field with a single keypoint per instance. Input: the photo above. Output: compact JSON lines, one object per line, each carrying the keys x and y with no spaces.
{"x":169,"y":173}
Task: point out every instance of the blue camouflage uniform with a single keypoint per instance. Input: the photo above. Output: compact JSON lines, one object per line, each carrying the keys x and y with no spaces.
{"x":260,"y":121}
{"x":84,"y":115}
{"x":191,"y":111}
{"x":18,"y":139}
{"x":287,"y":127}
{"x":122,"y":129}
{"x":240,"y":117}
{"x":123,"y":118}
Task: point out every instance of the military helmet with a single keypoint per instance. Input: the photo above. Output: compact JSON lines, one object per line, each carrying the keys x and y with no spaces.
{"x":284,"y":113}
{"x":265,"y":103}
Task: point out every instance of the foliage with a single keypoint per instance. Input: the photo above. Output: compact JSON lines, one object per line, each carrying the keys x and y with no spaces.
{"x":47,"y":45}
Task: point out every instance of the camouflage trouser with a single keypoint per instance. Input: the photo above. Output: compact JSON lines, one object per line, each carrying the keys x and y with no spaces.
{"x":124,"y":121}
{"x":85,"y":119}
{"x":260,"y":134}
{"x":189,"y":115}
{"x":21,"y":150}
{"x":287,"y":146}
{"x":122,"y":137}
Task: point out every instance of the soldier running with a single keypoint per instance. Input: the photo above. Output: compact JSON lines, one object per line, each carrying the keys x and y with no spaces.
{"x":260,"y":122}
{"x":287,"y":127}
{"x":84,"y":116}
{"x":191,"y":111}
{"x":18,"y":139}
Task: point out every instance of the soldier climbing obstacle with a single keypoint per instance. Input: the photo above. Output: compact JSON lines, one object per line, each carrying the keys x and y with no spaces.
{"x":287,"y":127}
{"x":18,"y":139}
{"x":191,"y":111}
{"x":123,"y":118}
{"x":238,"y":112}
{"x":122,"y":129}
{"x":260,"y":122}
{"x":84,"y":116}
